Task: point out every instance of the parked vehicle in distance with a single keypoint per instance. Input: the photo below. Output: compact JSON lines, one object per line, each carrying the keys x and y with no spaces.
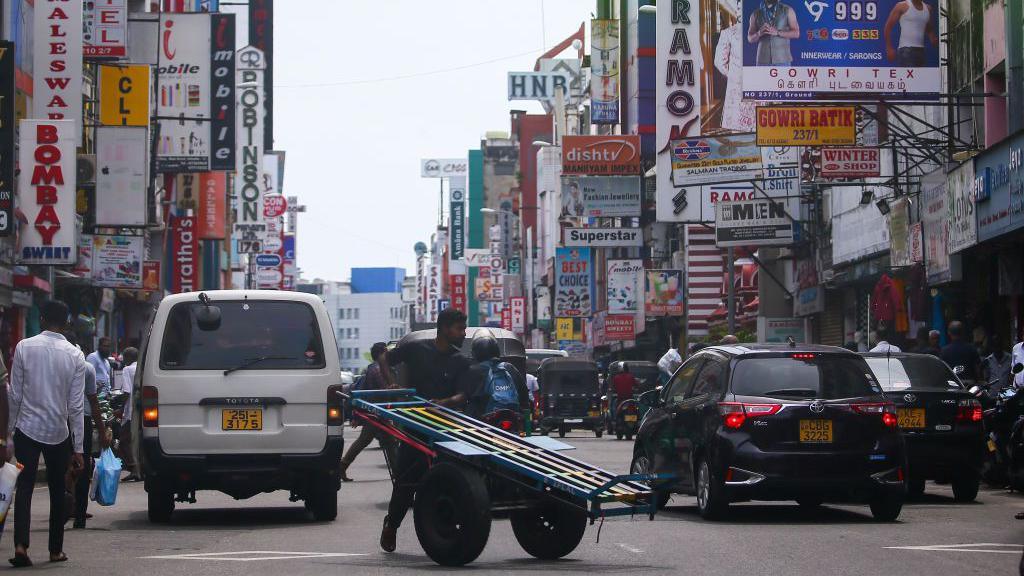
{"x":535,"y":356}
{"x":770,"y":422}
{"x":622,"y":415}
{"x":570,"y":396}
{"x":940,"y":420}
{"x":238,"y":393}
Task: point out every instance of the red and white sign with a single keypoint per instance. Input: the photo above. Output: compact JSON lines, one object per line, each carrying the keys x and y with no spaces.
{"x":184,"y":255}
{"x":916,"y":242}
{"x":105,"y":32}
{"x":458,"y":285}
{"x":213,"y":194}
{"x":517,"y":306}
{"x":57,"y":61}
{"x":619,"y":327}
{"x":46,"y":192}
{"x":850,"y":163}
{"x":506,"y":319}
{"x":608,"y":155}
{"x":274,"y":205}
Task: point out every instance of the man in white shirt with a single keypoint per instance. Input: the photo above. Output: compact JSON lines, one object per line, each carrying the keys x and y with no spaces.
{"x":101,"y":363}
{"x":883,"y":346}
{"x":129,"y":356}
{"x":1018,"y":358}
{"x":47,"y":393}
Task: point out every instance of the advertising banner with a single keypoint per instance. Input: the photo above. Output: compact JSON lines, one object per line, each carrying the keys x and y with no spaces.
{"x":184,"y":255}
{"x":715,"y":159}
{"x":7,"y":132}
{"x":565,"y":329}
{"x":607,"y":155}
{"x":478,"y":257}
{"x":57,"y":63}
{"x":46,"y":191}
{"x":261,"y":36}
{"x":604,"y":71}
{"x":458,"y":286}
{"x":222,"y":92}
{"x":963,"y":226}
{"x":859,"y":49}
{"x":121,"y":169}
{"x":443,"y":167}
{"x":810,"y":294}
{"x":249,"y":185}
{"x":433,"y":291}
{"x":899,"y":232}
{"x":124,"y":95}
{"x":151,"y":275}
{"x":117,"y":261}
{"x":105,"y":29}
{"x":83,"y":266}
{"x":183,"y":93}
{"x":779,"y":330}
{"x":604,"y":237}
{"x":540,"y":86}
{"x":487,"y":289}
{"x":663,"y":292}
{"x":624,"y":290}
{"x":619,"y":328}
{"x":457,"y":217}
{"x":756,"y":222}
{"x":600,"y":196}
{"x":517,"y":307}
{"x":274,"y":205}
{"x":806,"y":126}
{"x":850,"y":163}
{"x":1000,"y":196}
{"x":573,"y":283}
{"x":213,"y":193}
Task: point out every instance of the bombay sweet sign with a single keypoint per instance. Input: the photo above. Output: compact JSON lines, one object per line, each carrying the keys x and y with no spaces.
{"x":46,"y":192}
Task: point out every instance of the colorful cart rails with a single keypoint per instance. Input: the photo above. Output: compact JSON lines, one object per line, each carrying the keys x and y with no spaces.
{"x":478,"y":473}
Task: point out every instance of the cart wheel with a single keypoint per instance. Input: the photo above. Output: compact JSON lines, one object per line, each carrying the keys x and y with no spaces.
{"x":452,"y":514}
{"x":550,"y":531}
{"x":561,"y":431}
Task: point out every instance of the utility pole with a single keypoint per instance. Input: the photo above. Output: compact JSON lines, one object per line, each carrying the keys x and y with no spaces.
{"x":731,"y":300}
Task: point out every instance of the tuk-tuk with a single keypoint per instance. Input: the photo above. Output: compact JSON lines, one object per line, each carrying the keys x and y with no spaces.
{"x":535,"y":356}
{"x":622,"y":415}
{"x":570,"y":396}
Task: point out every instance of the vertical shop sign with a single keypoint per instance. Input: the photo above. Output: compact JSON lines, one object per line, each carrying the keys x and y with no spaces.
{"x":57,"y":62}
{"x":249,"y":221}
{"x":105,"y":29}
{"x":604,"y":67}
{"x":222,"y":92}
{"x":46,"y":192}
{"x":183,"y":93}
{"x":261,"y":35}
{"x":121,"y":163}
{"x":6,"y":138}
{"x":212,"y":205}
{"x":184,"y":255}
{"x":457,"y":190}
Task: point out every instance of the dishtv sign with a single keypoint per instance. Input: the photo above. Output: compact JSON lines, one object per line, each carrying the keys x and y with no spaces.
{"x":608,"y":155}
{"x":46,"y":192}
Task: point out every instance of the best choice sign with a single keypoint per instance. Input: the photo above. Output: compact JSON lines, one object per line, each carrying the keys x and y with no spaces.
{"x":601,"y":155}
{"x":604,"y":237}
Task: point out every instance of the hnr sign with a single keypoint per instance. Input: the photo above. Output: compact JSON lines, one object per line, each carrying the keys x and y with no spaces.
{"x":538,"y":85}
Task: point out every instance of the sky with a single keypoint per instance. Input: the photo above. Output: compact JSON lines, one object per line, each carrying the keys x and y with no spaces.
{"x":356,"y":106}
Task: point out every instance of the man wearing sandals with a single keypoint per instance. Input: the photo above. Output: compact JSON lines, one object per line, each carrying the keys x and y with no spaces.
{"x":47,"y":392}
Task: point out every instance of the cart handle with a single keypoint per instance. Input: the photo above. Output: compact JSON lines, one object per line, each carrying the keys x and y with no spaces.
{"x":360,"y":394}
{"x":646,"y":478}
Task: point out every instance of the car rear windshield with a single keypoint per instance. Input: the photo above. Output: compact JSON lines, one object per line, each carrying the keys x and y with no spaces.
{"x":269,"y":334}
{"x":895,"y":374}
{"x":803,"y":376}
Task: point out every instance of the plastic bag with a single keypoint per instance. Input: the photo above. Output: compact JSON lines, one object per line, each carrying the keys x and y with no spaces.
{"x":8,"y":477}
{"x":106,"y":478}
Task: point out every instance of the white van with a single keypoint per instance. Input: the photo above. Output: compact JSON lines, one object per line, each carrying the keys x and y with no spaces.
{"x":236,"y":391}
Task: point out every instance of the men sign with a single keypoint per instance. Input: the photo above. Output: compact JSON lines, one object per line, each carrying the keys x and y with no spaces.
{"x":755,"y":222}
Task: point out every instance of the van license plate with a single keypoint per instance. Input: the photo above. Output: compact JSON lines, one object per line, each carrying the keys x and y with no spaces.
{"x":630,"y":417}
{"x":816,"y":431}
{"x":242,"y":419}
{"x":574,"y":420}
{"x":910,"y":417}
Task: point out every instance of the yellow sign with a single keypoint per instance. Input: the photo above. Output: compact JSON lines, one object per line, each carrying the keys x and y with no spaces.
{"x":564,"y":329}
{"x":806,"y":126}
{"x":124,"y":95}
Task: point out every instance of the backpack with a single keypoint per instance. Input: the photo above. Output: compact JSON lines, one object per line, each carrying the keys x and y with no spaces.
{"x":500,"y":390}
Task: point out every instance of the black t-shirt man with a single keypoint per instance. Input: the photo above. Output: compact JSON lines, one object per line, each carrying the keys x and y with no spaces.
{"x":960,"y":353}
{"x":435,"y":374}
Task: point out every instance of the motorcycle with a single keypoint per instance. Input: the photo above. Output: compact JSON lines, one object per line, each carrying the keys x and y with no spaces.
{"x":508,"y":420}
{"x":1003,"y":418}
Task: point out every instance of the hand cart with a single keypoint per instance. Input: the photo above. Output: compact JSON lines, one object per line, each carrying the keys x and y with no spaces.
{"x":478,"y":473}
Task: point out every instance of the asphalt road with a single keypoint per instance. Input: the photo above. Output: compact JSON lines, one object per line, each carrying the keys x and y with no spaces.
{"x":269,"y":535}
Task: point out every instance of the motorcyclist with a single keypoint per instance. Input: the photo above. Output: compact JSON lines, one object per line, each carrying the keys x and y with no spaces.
{"x":623,"y":386}
{"x":487,"y":358}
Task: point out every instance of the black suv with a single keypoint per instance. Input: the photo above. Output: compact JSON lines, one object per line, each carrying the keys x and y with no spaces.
{"x":756,"y":422}
{"x":940,"y":420}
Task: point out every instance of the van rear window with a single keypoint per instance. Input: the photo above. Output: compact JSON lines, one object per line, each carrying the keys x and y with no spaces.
{"x":803,"y":376}
{"x":267,"y":334}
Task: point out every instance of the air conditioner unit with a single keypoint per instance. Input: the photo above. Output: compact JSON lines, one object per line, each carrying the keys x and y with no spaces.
{"x":86,"y":170}
{"x":828,"y":275}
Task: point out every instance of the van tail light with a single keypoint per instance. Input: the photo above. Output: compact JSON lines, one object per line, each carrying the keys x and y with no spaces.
{"x":969,"y":411}
{"x":886,"y":410}
{"x":335,"y":409}
{"x":150,"y":407}
{"x":736,"y":413}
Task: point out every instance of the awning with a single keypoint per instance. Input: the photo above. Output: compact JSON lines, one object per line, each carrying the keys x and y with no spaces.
{"x":31,"y":282}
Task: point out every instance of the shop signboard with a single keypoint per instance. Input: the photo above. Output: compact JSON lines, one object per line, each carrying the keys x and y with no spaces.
{"x":935,"y":221}
{"x":105,"y":29}
{"x":117,"y":261}
{"x":852,"y":162}
{"x":732,"y":158}
{"x":57,"y":63}
{"x":663,"y":292}
{"x":433,"y":291}
{"x":517,"y":306}
{"x":624,"y":288}
{"x":810,"y":294}
{"x":604,"y":155}
{"x":899,"y":232}
{"x":842,"y":49}
{"x":443,"y":167}
{"x":604,"y":71}
{"x":222,"y":92}
{"x":600,"y":196}
{"x":604,"y":237}
{"x":755,"y":222}
{"x":183,"y":93}
{"x":7,"y":80}
{"x":457,"y":217}
{"x":619,"y":327}
{"x":565,"y":329}
{"x":122,"y":165}
{"x":151,"y":275}
{"x":780,"y":330}
{"x":249,"y":187}
{"x":806,"y":125}
{"x":1000,"y":191}
{"x":46,"y":191}
{"x":506,"y":319}
{"x":124,"y":95}
{"x":573,"y":283}
{"x":458,"y":287}
{"x":542,"y":86}
{"x":963,"y":224}
{"x":83,"y":266}
{"x":184,"y":255}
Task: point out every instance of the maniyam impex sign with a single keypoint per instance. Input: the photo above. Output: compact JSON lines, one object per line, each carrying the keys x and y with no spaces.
{"x":754,"y":222}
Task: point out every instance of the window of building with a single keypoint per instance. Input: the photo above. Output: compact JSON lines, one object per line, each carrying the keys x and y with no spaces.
{"x":356,"y":310}
{"x":356,"y":330}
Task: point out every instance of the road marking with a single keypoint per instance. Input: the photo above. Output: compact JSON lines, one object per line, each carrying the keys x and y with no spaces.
{"x":629,"y":548}
{"x":252,"y":556}
{"x":984,"y":547}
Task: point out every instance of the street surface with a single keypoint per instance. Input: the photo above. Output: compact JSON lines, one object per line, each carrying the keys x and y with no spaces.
{"x":269,"y":535}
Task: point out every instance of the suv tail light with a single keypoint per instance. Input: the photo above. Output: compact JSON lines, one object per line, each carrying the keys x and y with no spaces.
{"x":335,"y":408}
{"x":886,"y":410}
{"x":736,"y":413}
{"x":150,"y":407}
{"x":969,"y":411}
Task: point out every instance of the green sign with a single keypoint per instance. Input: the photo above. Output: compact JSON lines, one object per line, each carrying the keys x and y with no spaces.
{"x":514,"y":265}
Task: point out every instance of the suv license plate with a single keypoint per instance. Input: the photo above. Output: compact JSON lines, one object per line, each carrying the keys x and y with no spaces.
{"x":242,"y":419}
{"x":910,"y":417}
{"x":816,"y":431}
